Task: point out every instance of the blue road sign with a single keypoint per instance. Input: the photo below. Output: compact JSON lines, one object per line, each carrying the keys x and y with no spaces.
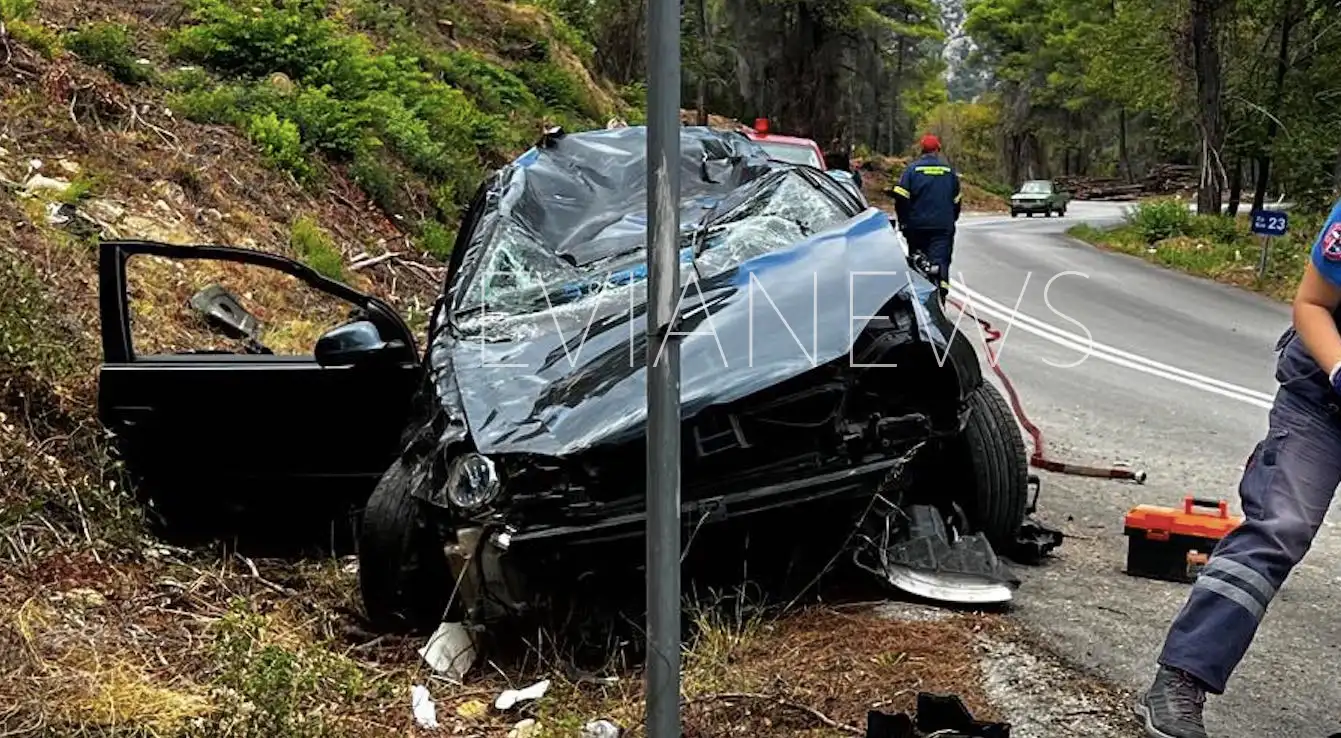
{"x":1270,"y":223}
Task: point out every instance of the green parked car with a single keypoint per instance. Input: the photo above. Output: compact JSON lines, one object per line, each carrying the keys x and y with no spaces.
{"x":1039,"y":196}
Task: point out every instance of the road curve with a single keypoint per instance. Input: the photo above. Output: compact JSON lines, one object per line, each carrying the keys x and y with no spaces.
{"x":1120,"y":361}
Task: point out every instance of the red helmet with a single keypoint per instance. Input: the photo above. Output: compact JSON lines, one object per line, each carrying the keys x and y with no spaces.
{"x":930,"y":143}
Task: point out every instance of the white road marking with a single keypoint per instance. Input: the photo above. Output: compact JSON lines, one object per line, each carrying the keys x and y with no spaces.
{"x":978,"y":303}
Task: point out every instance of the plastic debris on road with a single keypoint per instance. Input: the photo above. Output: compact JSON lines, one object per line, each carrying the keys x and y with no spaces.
{"x":511,"y":697}
{"x":450,"y":651}
{"x":425,"y":712}
{"x":918,"y":551}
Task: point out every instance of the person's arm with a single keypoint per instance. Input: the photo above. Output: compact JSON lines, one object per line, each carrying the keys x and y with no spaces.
{"x":959,"y":196}
{"x":1317,"y":298}
{"x":902,"y":197}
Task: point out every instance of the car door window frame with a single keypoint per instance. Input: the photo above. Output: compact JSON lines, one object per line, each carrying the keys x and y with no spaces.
{"x":114,"y":295}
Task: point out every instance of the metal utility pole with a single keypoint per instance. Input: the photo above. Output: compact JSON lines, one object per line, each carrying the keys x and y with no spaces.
{"x":663,"y":370}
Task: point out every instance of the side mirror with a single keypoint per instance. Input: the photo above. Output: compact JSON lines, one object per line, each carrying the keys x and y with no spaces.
{"x":352,"y":344}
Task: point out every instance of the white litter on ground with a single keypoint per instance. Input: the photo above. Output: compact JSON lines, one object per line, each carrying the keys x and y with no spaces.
{"x":425,"y":712}
{"x":511,"y":697}
{"x":450,"y":650}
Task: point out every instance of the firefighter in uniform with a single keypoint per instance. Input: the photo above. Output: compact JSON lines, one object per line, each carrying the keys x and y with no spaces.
{"x":1286,"y":488}
{"x":926,"y":205}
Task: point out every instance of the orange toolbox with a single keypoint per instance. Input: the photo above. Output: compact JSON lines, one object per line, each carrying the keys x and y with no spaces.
{"x":1172,"y":543}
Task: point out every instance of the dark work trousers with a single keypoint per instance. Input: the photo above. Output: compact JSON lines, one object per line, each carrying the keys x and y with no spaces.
{"x":938,"y":246}
{"x":1287,"y":486}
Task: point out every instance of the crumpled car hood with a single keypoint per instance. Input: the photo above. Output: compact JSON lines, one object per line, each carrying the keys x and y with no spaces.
{"x":567,"y":377}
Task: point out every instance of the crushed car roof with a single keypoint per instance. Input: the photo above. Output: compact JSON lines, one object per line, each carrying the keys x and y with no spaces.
{"x":542,"y":336}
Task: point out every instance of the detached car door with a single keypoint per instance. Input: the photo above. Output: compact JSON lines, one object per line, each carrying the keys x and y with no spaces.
{"x":239,"y":427}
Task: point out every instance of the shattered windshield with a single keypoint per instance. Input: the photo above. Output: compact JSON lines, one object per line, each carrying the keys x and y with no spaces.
{"x":521,"y":276}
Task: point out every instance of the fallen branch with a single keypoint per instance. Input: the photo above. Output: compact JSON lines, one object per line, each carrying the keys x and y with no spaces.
{"x":256,"y":574}
{"x":373,"y":260}
{"x":781,"y":702}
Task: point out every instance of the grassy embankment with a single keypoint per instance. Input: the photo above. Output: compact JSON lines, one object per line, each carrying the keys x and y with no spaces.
{"x":1165,"y":232}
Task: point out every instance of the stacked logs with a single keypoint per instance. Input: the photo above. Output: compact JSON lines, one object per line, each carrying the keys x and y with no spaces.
{"x":1163,"y":179}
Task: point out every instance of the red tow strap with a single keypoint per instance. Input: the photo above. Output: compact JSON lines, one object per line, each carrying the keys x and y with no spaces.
{"x":1039,"y":459}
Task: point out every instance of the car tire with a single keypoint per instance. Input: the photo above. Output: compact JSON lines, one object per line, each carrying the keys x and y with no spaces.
{"x":997,"y":468}
{"x":404,"y":578}
{"x":1014,"y":214}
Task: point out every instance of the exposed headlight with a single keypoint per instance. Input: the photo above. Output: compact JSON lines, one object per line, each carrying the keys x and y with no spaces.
{"x":472,"y":481}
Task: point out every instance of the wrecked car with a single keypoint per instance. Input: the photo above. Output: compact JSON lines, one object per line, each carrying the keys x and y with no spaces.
{"x":816,"y":367}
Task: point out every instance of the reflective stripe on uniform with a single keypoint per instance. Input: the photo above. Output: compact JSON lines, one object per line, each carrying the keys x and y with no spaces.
{"x":900,"y":191}
{"x":1238,"y":584}
{"x":932,"y":169}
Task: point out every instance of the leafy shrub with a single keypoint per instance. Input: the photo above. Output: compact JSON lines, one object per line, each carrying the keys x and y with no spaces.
{"x":108,"y":45}
{"x":556,"y":87}
{"x":436,"y":240}
{"x":218,"y":105}
{"x":280,"y":143}
{"x":327,"y":123}
{"x":1215,"y":228}
{"x":315,"y":249}
{"x":1157,"y":220}
{"x":187,"y":79}
{"x":35,"y":36}
{"x":17,"y":10}
{"x":494,"y":88}
{"x":281,"y":685}
{"x":252,"y":40}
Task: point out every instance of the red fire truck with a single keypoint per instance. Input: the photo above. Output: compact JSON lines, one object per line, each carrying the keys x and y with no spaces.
{"x":786,"y":148}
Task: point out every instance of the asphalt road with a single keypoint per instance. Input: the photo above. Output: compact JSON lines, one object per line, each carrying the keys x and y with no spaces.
{"x":1120,"y":361}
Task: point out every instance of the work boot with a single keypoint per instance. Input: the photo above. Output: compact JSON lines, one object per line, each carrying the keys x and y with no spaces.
{"x":1172,"y":706}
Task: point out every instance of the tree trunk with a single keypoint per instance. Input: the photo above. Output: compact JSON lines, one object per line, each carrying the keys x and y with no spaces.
{"x":1287,"y":22}
{"x":1210,"y":118}
{"x":1124,"y":159}
{"x":703,"y":37}
{"x":1235,"y":187}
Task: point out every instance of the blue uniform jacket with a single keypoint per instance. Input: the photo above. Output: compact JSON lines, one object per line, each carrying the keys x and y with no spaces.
{"x":927,"y":196}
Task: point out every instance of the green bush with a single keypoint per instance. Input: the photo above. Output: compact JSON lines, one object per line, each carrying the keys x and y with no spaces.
{"x":315,"y":249}
{"x":281,"y":144}
{"x":493,"y":88}
{"x":187,"y":79}
{"x":35,"y":36}
{"x":436,"y":240}
{"x":108,"y":45}
{"x":1215,"y":228}
{"x":1157,"y":220}
{"x":557,"y":88}
{"x":220,"y":105}
{"x":255,"y":39}
{"x":17,"y":10}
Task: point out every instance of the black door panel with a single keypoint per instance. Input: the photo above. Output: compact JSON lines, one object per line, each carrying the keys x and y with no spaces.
{"x":214,"y":431}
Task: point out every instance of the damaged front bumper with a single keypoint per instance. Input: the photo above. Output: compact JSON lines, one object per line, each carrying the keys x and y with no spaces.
{"x":490,"y":562}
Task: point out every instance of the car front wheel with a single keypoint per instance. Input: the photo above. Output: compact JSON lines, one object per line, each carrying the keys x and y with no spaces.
{"x":404,"y":577}
{"x":996,"y":475}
